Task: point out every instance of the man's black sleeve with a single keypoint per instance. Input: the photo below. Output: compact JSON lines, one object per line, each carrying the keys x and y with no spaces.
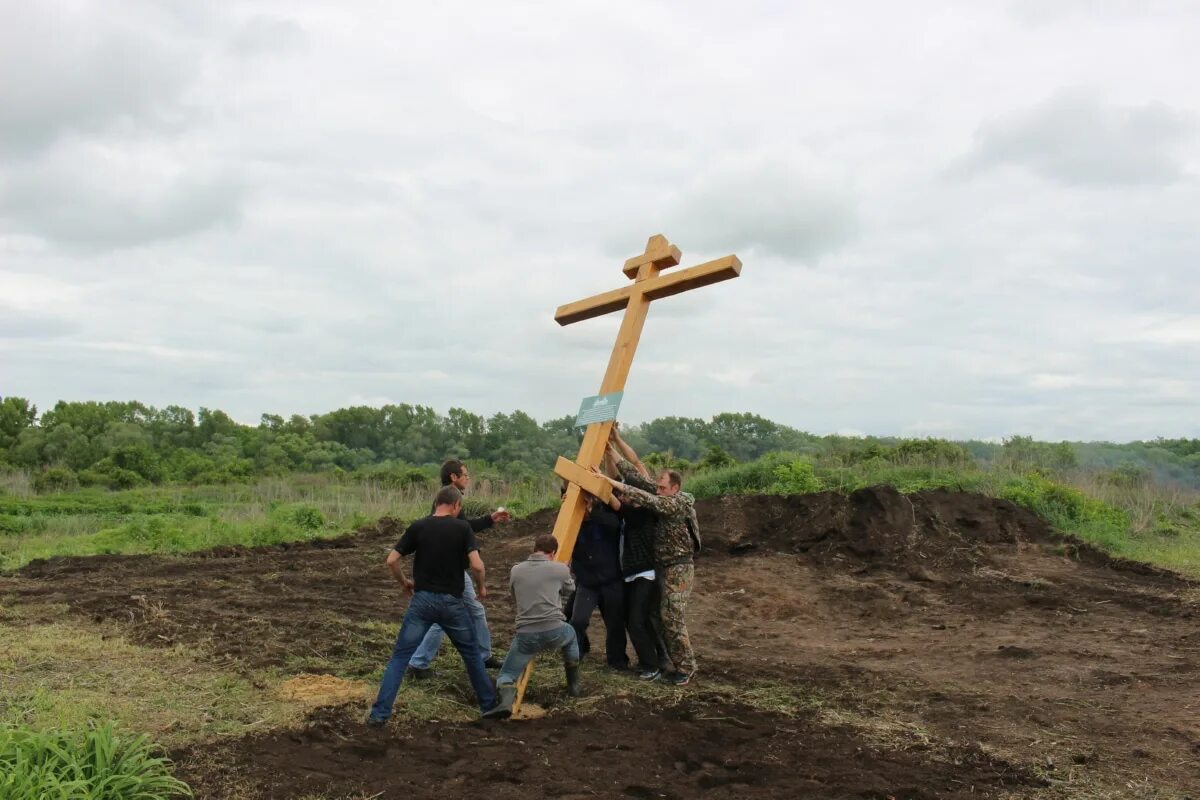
{"x":479,"y":523}
{"x":470,"y":541}
{"x":408,"y":542}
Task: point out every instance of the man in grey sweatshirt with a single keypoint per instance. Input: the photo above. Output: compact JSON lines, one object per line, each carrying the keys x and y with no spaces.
{"x":538,"y":585}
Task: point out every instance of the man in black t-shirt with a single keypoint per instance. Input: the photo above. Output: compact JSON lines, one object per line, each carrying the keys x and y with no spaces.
{"x":444,"y":547}
{"x":454,"y":473}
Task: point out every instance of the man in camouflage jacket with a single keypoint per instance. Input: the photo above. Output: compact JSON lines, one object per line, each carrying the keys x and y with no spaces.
{"x":676,"y":538}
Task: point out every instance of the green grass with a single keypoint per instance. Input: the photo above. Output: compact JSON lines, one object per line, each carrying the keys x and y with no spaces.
{"x":95,"y":764}
{"x":59,"y":675}
{"x":1145,"y":521}
{"x":185,"y":519}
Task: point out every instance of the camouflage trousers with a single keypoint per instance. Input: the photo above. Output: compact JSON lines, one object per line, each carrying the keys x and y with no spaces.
{"x":675,"y":582}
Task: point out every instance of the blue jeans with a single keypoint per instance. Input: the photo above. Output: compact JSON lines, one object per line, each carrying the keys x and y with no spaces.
{"x":526,"y":645}
{"x":426,"y":609}
{"x":432,"y":642}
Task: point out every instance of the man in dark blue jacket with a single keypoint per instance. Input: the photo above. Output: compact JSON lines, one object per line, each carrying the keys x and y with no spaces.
{"x":596,"y":563}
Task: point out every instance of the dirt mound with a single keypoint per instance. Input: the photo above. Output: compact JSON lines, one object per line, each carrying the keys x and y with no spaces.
{"x":697,"y":748}
{"x":877,"y":526}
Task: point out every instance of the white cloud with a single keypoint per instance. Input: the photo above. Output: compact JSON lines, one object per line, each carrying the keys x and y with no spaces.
{"x":1075,"y":139}
{"x":291,"y":207}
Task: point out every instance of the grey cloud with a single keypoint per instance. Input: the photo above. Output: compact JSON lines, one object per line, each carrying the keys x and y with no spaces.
{"x":1075,"y":140}
{"x":268,"y":35}
{"x":384,"y":193}
{"x":97,"y":199}
{"x":82,"y":70}
{"x":771,"y":207}
{"x":18,"y":324}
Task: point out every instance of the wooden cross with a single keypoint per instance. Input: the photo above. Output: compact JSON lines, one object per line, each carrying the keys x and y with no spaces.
{"x":635,"y":298}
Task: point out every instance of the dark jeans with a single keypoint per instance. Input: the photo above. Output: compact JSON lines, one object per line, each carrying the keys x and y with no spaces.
{"x":611,"y":599}
{"x":642,"y":600}
{"x":424,"y":610}
{"x":428,"y":650}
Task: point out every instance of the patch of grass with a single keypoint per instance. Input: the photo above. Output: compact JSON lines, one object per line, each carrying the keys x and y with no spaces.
{"x":64,"y":676}
{"x":182,"y":519}
{"x":95,"y":764}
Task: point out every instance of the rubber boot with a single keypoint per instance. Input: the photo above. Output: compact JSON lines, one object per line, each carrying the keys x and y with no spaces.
{"x":508,"y":696}
{"x":503,"y":707}
{"x":573,"y":687}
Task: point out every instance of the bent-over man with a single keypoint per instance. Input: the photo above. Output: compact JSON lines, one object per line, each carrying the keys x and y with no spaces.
{"x":539,"y":584}
{"x":443,"y":546}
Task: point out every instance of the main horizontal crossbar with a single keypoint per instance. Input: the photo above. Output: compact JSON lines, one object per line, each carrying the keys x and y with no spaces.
{"x":721,"y":269}
{"x":590,"y":482}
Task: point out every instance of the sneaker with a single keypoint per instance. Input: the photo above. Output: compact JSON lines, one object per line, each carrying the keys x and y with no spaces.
{"x":376,"y":723}
{"x":420,"y":673}
{"x":491,"y":662}
{"x":679,"y":678}
{"x":649,"y":675}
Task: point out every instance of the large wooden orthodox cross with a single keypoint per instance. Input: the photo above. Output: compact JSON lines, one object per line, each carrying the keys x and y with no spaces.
{"x":635,"y":298}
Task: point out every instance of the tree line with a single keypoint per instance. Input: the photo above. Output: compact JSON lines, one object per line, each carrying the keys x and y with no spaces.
{"x":126,"y":444}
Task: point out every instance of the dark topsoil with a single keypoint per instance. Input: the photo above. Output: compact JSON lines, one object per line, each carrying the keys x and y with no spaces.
{"x":976,"y":652}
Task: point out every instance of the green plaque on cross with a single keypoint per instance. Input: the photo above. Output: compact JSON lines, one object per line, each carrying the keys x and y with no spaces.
{"x":599,"y":408}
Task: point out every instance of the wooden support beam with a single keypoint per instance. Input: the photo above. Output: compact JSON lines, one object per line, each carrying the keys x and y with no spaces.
{"x":590,"y":483}
{"x":722,"y":269}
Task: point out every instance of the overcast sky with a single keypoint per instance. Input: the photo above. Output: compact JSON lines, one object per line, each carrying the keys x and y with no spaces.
{"x":955,"y":219}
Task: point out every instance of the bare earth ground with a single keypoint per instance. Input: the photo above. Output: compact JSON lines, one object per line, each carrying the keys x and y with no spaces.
{"x":939,"y":645}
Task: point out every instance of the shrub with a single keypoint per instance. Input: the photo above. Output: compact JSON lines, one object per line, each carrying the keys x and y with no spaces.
{"x":1068,"y":509}
{"x":755,"y":477}
{"x":55,"y":479}
{"x":715,"y":458}
{"x":795,"y":477}
{"x":96,"y":765}
{"x":308,"y":518}
{"x":1126,"y":476}
{"x":931,"y":452}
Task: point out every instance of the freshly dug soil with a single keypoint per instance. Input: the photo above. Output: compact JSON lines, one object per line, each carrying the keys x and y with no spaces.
{"x":933,"y":628}
{"x":694,"y":749}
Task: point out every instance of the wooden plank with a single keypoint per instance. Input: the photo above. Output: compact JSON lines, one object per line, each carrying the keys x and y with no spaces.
{"x":721,"y":269}
{"x":590,"y":483}
{"x":659,"y":252}
{"x":594,"y":306}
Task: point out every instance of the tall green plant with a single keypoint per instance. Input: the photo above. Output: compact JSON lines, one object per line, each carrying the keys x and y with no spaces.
{"x":98,"y":764}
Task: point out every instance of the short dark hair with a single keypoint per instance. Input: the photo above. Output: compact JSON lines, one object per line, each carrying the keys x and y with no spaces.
{"x":448,"y":496}
{"x":673,"y":477}
{"x":546,"y":543}
{"x":451,"y":467}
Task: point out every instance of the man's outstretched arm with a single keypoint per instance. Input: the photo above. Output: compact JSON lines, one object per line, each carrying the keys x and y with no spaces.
{"x":630,"y":455}
{"x":630,"y":473}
